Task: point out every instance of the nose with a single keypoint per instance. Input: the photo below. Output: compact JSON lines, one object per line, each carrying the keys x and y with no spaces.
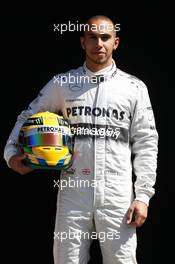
{"x":99,"y":43}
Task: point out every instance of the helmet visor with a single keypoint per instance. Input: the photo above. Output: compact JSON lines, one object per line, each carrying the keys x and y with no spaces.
{"x":47,"y":139}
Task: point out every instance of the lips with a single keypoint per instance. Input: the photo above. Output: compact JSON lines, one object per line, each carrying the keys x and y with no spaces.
{"x":99,"y":53}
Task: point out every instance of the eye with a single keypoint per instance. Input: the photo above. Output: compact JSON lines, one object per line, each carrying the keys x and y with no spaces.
{"x":92,"y":37}
{"x":105,"y":37}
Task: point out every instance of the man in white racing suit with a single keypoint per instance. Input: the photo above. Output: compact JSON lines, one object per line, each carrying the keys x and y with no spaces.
{"x":112,"y":118}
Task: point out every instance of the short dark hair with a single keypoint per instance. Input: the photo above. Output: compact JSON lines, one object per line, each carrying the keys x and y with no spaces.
{"x":87,"y":20}
{"x":100,"y":17}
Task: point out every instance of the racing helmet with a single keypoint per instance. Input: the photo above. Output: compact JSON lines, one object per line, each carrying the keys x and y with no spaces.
{"x":47,"y":141}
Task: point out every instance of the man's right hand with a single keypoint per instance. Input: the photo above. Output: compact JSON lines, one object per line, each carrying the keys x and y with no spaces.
{"x":16,"y":163}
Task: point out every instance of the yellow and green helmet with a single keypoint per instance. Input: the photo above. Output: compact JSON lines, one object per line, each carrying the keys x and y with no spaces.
{"x":47,"y":141}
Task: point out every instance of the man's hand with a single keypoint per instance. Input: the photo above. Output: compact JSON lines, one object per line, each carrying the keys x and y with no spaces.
{"x":137,"y":213}
{"x":16,"y":163}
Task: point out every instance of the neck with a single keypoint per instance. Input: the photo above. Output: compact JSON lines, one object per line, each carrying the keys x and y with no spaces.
{"x":94,"y":67}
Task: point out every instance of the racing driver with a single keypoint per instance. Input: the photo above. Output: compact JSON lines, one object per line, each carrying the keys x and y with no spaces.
{"x":115,"y":136}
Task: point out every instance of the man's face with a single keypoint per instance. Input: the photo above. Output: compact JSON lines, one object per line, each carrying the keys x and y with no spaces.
{"x":99,"y":41}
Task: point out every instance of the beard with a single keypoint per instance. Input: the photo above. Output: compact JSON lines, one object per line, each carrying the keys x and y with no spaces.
{"x":97,"y":60}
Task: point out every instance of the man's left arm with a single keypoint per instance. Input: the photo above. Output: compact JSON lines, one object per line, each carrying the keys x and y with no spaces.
{"x":144,"y":145}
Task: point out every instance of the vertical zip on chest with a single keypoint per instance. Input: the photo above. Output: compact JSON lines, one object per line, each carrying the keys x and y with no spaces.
{"x":99,"y":148}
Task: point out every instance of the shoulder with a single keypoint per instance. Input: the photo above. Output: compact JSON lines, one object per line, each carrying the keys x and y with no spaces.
{"x":130,"y":80}
{"x":68,"y":74}
{"x":64,"y":79}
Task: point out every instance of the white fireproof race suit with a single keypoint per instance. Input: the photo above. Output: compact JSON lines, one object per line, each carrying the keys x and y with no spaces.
{"x":112,"y":117}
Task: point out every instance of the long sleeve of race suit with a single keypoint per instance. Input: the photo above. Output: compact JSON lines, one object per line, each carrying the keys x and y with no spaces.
{"x":144,"y":143}
{"x":48,"y":99}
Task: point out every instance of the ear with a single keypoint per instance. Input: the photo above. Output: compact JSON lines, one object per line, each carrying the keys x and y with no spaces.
{"x":116,"y":43}
{"x":82,"y":42}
